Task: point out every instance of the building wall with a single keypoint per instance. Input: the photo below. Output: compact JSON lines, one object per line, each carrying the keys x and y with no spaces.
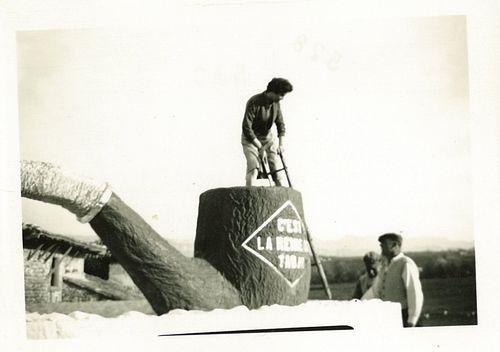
{"x":73,"y":265}
{"x":36,"y":279}
{"x":40,"y":285}
{"x":44,"y":281}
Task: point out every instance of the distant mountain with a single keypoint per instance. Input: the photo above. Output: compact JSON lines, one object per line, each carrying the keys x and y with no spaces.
{"x":348,"y":246}
{"x":358,"y":245}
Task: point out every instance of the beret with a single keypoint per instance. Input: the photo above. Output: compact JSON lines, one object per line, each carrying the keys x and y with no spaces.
{"x":391,"y":236}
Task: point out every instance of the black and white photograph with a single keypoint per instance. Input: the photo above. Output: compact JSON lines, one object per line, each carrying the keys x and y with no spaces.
{"x":248,"y":170}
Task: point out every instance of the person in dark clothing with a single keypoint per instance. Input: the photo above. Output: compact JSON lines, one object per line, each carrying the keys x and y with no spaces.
{"x":262,"y":112}
{"x":365,"y":281}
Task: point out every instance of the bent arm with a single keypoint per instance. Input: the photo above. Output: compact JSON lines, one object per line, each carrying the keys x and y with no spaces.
{"x":280,"y":124}
{"x":414,"y":294}
{"x":248,"y":119}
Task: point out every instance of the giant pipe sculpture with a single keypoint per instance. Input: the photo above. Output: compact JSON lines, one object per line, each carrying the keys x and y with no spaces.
{"x":236,"y":260}
{"x":255,"y":237}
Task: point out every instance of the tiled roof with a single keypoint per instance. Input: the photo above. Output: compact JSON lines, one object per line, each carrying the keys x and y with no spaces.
{"x":38,"y":240}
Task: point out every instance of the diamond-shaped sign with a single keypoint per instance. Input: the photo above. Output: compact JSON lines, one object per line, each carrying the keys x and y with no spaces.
{"x":281,"y":243}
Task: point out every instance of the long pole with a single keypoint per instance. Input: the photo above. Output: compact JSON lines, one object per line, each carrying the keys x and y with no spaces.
{"x":286,"y":169}
{"x":264,"y":170}
{"x":309,"y":239}
{"x":318,"y":264}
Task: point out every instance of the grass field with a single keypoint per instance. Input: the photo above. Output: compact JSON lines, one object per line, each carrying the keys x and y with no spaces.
{"x":447,"y":302}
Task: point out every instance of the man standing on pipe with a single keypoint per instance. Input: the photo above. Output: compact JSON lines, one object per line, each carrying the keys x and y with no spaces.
{"x":262,"y":111}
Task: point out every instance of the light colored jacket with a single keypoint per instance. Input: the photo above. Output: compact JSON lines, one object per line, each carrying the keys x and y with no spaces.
{"x":398,"y":281}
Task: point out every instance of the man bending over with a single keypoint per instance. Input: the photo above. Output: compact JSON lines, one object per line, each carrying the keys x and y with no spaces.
{"x":262,"y":111}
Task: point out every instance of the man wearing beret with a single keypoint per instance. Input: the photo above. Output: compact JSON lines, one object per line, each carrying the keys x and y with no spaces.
{"x":262,"y":112}
{"x":398,"y":279}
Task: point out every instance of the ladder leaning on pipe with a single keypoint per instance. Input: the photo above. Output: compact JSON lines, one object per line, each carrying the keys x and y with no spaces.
{"x":317,"y":261}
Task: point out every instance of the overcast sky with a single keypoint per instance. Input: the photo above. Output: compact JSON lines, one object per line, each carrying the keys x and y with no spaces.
{"x":378,"y":130}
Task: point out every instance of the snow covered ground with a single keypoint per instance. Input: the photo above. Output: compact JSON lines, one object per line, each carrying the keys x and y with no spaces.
{"x":361,"y":315}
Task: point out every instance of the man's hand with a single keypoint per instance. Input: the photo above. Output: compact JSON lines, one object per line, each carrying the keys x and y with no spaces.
{"x":266,"y":146}
{"x":281,"y":147}
{"x":257,"y":143}
{"x":263,"y":154}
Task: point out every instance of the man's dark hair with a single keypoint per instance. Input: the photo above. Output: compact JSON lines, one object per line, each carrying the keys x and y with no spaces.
{"x":279,"y":86}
